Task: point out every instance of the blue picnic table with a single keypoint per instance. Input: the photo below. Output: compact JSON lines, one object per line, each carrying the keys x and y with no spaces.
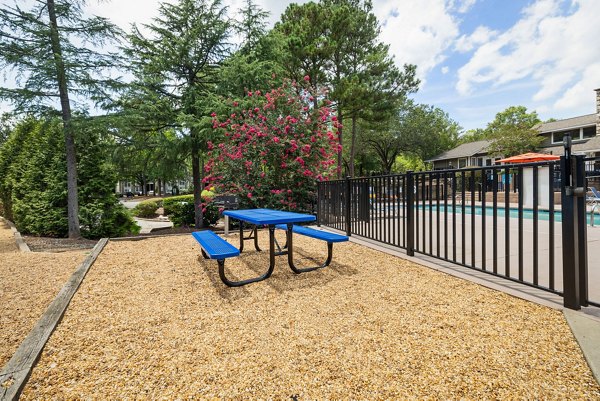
{"x":214,"y":247}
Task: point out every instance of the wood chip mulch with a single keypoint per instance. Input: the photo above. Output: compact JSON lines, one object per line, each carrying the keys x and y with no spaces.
{"x":153,"y":320}
{"x":29,"y":281}
{"x":46,"y":244}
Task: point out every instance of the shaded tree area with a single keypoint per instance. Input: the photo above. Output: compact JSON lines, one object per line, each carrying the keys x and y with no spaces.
{"x":33,"y":179}
{"x":417,"y":132}
{"x":51,"y":47}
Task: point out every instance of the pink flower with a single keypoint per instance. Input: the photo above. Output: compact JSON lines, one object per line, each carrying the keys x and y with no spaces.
{"x":249,"y":94}
{"x":276,"y":139}
{"x":306,"y":78}
{"x":249,"y":195}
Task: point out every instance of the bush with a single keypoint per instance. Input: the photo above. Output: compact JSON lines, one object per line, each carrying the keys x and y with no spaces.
{"x":33,"y":182}
{"x":146,"y":208}
{"x":180,"y":210}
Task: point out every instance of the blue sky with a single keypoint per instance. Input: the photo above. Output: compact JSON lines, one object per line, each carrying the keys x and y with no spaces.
{"x":474,"y":57}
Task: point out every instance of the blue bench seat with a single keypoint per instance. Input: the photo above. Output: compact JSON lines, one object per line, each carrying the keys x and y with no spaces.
{"x":214,"y":246}
{"x":317,"y":234}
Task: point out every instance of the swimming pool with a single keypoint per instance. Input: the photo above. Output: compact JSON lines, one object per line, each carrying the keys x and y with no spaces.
{"x":501,"y":212}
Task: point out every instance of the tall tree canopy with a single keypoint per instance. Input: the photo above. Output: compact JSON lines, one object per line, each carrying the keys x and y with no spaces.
{"x":48,"y":48}
{"x":336,"y":44}
{"x":512,"y":132}
{"x":176,"y":68}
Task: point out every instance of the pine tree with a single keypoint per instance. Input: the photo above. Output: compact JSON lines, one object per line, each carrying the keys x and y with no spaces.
{"x":46,"y":46}
{"x":176,"y":68}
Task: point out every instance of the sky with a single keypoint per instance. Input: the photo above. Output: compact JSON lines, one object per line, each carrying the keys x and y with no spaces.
{"x":475,"y":58}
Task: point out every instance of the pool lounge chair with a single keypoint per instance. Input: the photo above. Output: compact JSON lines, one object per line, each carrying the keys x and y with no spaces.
{"x":594,"y":197}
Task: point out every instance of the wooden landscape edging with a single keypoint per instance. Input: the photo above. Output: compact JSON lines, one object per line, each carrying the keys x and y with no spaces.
{"x":21,"y":244}
{"x":18,"y":369}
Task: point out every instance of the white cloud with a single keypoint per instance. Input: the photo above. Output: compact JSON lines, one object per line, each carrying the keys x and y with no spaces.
{"x":445,"y":70}
{"x":464,"y":6}
{"x":481,"y":35}
{"x":418,"y":31}
{"x":557,"y":50}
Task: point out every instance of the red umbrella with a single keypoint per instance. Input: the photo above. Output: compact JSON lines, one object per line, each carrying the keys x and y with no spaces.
{"x":528,"y":158}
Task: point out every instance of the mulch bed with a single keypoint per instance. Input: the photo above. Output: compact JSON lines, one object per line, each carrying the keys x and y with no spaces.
{"x":153,"y":320}
{"x":47,"y":244}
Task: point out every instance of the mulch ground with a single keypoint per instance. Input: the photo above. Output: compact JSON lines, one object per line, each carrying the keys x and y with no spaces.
{"x":153,"y":320}
{"x":29,"y":281}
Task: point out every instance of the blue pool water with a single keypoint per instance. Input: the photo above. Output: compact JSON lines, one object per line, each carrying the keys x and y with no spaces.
{"x":501,"y":212}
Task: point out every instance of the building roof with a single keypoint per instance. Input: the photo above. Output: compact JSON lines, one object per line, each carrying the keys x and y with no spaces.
{"x":574,"y":122}
{"x":465,"y":150}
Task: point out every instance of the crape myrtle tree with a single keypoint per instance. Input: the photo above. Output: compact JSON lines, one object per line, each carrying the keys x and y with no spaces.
{"x":48,"y":47}
{"x":336,"y":43}
{"x":176,"y":67}
{"x":271,"y":148}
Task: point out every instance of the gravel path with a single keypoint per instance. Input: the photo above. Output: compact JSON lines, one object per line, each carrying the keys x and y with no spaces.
{"x":29,"y":281}
{"x":153,"y":320}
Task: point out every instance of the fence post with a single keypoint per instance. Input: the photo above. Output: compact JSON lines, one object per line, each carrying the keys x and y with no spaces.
{"x":570,"y":229}
{"x":348,"y":202}
{"x":410,"y":214}
{"x":581,"y":219}
{"x":319,"y":190}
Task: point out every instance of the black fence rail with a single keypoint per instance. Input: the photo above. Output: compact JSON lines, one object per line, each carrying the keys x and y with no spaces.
{"x":502,"y":220}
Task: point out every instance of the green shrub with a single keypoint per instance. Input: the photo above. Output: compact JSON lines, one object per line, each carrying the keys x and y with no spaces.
{"x":33,"y":182}
{"x":146,"y":208}
{"x":180,"y":210}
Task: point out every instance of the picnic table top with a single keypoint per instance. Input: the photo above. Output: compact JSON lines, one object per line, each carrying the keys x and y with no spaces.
{"x":268,"y":216}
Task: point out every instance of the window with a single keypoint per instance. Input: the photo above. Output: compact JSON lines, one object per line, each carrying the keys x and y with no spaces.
{"x":589,"y":132}
{"x":462,"y":163}
{"x":557,"y":137}
{"x":577,"y":134}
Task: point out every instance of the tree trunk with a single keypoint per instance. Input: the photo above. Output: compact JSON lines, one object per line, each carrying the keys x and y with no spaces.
{"x":72,"y":201}
{"x":353,"y":146}
{"x":197,"y":177}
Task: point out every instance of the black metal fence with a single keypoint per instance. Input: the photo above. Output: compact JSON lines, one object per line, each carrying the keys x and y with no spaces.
{"x":502,"y":220}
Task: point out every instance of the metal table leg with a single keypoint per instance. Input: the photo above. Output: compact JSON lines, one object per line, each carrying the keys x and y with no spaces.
{"x":290,"y":253}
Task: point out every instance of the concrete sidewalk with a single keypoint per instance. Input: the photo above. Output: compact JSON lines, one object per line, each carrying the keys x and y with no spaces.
{"x":147,"y":225}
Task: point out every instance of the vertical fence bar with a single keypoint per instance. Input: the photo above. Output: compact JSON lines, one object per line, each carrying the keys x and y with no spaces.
{"x":437,"y":214}
{"x":535,"y":227}
{"x":430,"y":215}
{"x":445,"y":191}
{"x":473,"y":214}
{"x":319,"y":191}
{"x":551,"y":228}
{"x":410,"y":223}
{"x":348,"y":207}
{"x":453,"y":216}
{"x":416,"y":211}
{"x":507,"y":182}
{"x":462,"y":216}
{"x":495,"y":221}
{"x":424,"y":209}
{"x":520,"y":223}
{"x":483,"y":218}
